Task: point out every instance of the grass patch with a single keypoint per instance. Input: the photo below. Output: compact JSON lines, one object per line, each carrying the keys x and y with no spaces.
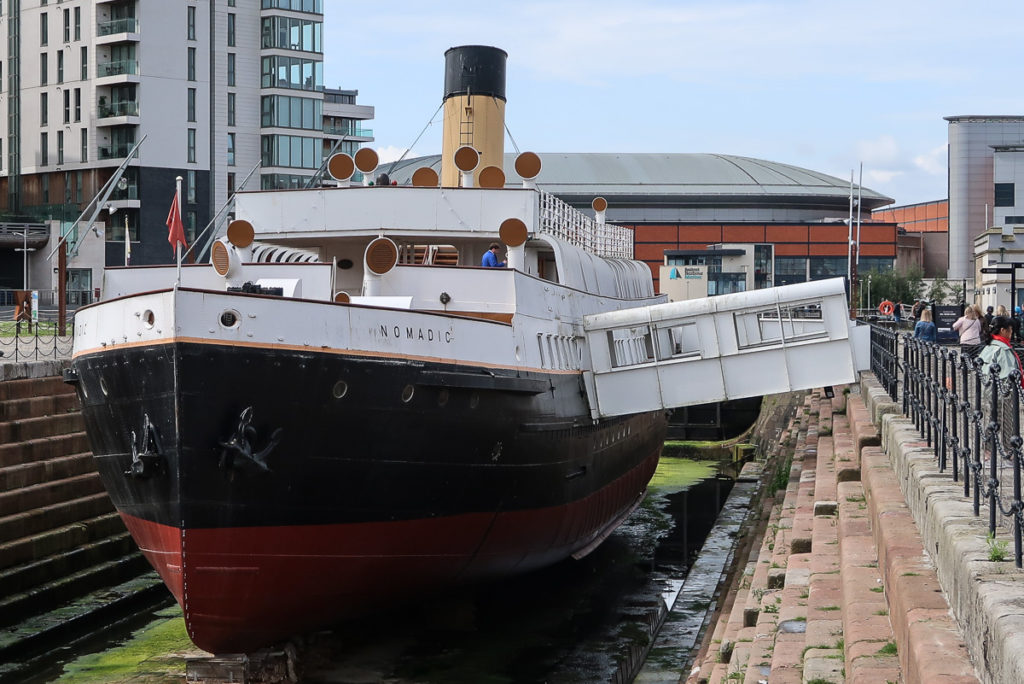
{"x":878,"y":590}
{"x":997,"y":550}
{"x":888,"y":649}
{"x":829,"y":608}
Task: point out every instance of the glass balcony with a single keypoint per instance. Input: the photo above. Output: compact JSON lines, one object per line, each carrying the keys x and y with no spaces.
{"x":356,"y":131}
{"x":115,"y":151}
{"x":126,"y":25}
{"x":126,"y":108}
{"x":118,"y":68}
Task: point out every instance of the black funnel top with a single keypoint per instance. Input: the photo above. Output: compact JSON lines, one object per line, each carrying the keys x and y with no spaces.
{"x":474,"y":70}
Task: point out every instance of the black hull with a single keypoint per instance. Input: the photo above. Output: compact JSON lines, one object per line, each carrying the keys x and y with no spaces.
{"x":368,"y":455}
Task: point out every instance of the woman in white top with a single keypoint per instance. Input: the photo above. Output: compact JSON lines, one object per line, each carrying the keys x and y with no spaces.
{"x":969,"y":328}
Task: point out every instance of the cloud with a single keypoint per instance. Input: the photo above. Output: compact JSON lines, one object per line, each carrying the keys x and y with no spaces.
{"x":882,"y":150}
{"x":933,"y":161}
{"x":390,"y":153}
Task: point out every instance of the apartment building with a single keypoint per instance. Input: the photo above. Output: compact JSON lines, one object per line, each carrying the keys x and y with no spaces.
{"x":213,"y":88}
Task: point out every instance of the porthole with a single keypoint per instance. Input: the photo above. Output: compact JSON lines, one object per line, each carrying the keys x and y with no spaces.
{"x":442,"y":397}
{"x":103,"y":386}
{"x":148,"y":318}
{"x":230,"y":319}
{"x":340,"y":389}
{"x":407,"y":392}
{"x":345,"y":264}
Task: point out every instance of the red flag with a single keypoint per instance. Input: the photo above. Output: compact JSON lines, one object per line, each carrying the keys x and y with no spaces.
{"x":176,"y":231}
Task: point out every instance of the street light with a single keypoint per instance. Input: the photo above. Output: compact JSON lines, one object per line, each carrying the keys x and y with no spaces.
{"x":25,"y":250}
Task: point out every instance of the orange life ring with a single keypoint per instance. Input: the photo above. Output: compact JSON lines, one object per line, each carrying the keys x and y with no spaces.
{"x":886,"y":308}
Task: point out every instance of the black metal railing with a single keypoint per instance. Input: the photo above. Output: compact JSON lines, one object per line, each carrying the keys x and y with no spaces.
{"x":969,"y":412}
{"x":23,"y":341}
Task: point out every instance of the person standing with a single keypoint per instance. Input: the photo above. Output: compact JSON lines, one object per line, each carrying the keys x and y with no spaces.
{"x":897,"y":312}
{"x":490,"y":258}
{"x":915,"y":311}
{"x":925,"y":329}
{"x":969,"y":328}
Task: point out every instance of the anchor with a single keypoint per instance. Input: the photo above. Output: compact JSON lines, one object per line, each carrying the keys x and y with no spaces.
{"x":149,"y":462}
{"x":240,"y":447}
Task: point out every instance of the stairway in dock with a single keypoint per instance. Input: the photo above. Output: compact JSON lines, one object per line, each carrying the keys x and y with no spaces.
{"x":68,"y":568}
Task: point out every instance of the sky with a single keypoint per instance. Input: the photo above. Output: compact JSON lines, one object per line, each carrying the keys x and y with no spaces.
{"x":822,"y":85}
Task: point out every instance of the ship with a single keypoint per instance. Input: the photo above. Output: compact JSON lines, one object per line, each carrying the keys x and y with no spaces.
{"x":344,"y":408}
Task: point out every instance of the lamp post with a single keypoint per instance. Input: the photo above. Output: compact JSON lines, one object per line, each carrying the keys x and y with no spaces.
{"x":24,"y":250}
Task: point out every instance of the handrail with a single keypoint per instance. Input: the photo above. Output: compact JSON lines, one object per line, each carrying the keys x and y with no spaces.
{"x":968,"y":413}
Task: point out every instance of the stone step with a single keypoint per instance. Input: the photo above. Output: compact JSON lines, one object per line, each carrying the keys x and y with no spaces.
{"x":58,"y":539}
{"x":929,"y":645}
{"x":30,"y":574}
{"x":34,"y":387}
{"x":80,"y":618}
{"x":35,"y":450}
{"x":49,"y":493}
{"x":33,"y":407}
{"x":25,"y":429}
{"x":28,"y":474}
{"x":45,"y":597}
{"x":31,"y":523}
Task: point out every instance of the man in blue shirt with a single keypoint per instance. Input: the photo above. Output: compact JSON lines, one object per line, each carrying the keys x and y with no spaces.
{"x":490,"y":259}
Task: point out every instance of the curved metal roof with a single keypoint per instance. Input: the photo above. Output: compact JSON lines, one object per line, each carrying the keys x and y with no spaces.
{"x":682,"y":178}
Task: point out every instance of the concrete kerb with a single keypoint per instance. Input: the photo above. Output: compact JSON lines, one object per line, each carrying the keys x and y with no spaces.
{"x":20,"y":370}
{"x":986,"y":598}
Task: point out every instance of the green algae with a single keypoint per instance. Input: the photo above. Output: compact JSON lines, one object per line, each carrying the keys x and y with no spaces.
{"x":680,"y":473}
{"x":155,"y":653}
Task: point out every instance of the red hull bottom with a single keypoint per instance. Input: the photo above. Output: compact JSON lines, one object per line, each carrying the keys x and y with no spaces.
{"x":244,"y":588}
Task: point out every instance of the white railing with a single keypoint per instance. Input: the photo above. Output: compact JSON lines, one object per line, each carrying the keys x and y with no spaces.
{"x":562,"y":221}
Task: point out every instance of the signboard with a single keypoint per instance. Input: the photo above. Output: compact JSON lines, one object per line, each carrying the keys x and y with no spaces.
{"x":945,"y":316}
{"x":35,"y":306}
{"x":693,"y":272}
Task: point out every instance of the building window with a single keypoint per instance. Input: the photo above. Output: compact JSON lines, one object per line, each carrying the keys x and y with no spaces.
{"x":44,"y":150}
{"x":78,"y":185}
{"x":67,"y":106}
{"x":231,"y":30}
{"x":60,"y":147}
{"x":1004,"y":194}
{"x":827,"y":267}
{"x":191,"y":146}
{"x":84,"y":154}
{"x":190,"y":226}
{"x":45,"y":183}
{"x":44,"y":114}
{"x":231,"y":68}
{"x":1014,"y":220}
{"x":292,"y":72}
{"x":231,"y":149}
{"x":67,"y":26}
{"x":191,"y":23}
{"x":231,"y":3}
{"x":42,"y":68}
{"x":191,"y":64}
{"x":291,"y":150}
{"x":78,"y":104}
{"x":231,"y":184}
{"x":789,"y":270}
{"x":43,"y":32}
{"x":78,"y":23}
{"x":191,"y":104}
{"x":231,"y":109}
{"x":285,"y":111}
{"x":60,"y":66}
{"x":190,"y":186}
{"x":85,"y":63}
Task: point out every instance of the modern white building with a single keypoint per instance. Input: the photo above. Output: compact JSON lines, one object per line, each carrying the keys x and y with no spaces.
{"x":214,"y":86}
{"x":984,"y":157}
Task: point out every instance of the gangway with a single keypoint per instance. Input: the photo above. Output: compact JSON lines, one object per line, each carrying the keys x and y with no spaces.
{"x":731,"y":346}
